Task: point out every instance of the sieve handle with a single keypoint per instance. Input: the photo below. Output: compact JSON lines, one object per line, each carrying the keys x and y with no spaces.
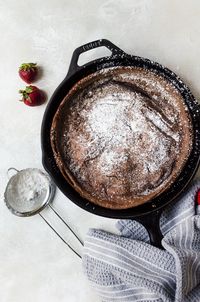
{"x":74,"y":67}
{"x":76,"y":236}
{"x":81,"y":242}
{"x":9,"y":172}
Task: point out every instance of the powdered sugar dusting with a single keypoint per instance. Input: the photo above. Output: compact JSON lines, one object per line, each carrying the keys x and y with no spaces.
{"x":124,"y":135}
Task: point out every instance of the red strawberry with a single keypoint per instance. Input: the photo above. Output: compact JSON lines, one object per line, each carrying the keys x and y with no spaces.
{"x":28,"y":72}
{"x":198,"y":197}
{"x":32,"y":96}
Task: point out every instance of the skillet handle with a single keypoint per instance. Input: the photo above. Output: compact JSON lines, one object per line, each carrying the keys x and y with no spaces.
{"x":151,"y":222}
{"x":91,"y":45}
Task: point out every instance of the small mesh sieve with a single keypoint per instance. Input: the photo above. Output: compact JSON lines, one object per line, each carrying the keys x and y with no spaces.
{"x":28,"y":192}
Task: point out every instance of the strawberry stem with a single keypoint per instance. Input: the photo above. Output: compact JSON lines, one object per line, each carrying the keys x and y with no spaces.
{"x":25,"y":93}
{"x":28,"y":66}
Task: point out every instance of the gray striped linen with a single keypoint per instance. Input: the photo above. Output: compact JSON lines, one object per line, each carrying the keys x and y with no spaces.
{"x":127,"y":268}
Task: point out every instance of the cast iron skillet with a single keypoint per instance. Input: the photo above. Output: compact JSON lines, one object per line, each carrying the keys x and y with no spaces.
{"x":149,"y":213}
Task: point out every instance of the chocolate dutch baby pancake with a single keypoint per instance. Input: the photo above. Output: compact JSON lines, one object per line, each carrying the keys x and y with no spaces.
{"x":121,"y":136}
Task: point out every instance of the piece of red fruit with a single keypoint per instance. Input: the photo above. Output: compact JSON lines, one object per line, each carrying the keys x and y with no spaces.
{"x":198,"y":197}
{"x":28,"y":72}
{"x":32,"y":96}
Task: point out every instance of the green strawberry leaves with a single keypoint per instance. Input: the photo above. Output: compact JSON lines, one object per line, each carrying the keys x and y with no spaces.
{"x":28,"y":66}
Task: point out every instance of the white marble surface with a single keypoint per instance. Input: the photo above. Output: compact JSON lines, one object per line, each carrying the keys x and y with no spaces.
{"x":35,"y":265}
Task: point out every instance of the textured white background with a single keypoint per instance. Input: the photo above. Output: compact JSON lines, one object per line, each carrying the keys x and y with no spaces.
{"x":35,"y":266}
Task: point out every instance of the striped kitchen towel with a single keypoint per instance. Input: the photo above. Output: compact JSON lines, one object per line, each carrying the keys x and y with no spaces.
{"x":127,"y":268}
